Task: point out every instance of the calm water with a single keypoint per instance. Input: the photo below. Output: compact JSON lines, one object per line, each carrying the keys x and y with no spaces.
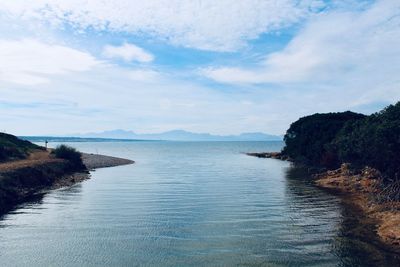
{"x":185,"y":204}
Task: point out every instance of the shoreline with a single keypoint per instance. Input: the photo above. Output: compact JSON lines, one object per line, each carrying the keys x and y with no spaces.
{"x":92,"y":162}
{"x":362,"y":191}
{"x":269,"y":155}
{"x":97,"y":161}
{"x":359,"y":191}
{"x":23,"y":180}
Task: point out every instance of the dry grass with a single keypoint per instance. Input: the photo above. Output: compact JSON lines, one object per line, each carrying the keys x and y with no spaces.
{"x":37,"y":157}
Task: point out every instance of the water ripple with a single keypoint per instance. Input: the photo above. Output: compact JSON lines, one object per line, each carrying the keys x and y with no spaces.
{"x":182,"y":204}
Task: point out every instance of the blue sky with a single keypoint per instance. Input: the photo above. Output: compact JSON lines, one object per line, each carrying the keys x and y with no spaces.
{"x":223,"y":67}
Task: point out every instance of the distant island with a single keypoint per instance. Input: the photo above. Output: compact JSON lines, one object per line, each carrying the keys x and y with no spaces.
{"x":354,"y":154}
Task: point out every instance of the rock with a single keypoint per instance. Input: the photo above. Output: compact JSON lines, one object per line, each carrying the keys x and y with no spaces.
{"x":345,"y":169}
{"x":370,"y":173}
{"x":270,"y":155}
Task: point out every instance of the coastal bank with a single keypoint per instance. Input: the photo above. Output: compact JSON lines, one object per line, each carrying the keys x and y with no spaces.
{"x":23,"y":179}
{"x":362,"y":190}
{"x":356,"y":156}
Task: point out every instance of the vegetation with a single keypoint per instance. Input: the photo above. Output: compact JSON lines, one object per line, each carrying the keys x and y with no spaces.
{"x":11,"y":147}
{"x":70,"y":154}
{"x":330,"y":139}
{"x":309,"y":140}
{"x":19,"y":183}
{"x":373,"y":141}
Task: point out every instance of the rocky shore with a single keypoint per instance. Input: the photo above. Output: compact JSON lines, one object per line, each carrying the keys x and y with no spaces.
{"x":376,"y":204}
{"x":269,"y":155}
{"x":21,"y":180}
{"x":364,"y":189}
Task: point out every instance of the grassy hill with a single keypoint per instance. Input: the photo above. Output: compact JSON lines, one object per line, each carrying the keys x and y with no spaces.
{"x":11,"y":147}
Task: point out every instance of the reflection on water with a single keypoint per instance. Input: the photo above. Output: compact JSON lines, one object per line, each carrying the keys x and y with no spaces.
{"x":186,"y":204}
{"x":353,"y":241}
{"x":355,"y":237}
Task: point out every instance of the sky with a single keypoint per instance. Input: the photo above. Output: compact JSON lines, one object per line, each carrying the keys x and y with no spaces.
{"x":222,"y":67}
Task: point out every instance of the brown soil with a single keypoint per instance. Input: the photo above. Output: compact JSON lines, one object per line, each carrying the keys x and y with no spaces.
{"x":362,"y":190}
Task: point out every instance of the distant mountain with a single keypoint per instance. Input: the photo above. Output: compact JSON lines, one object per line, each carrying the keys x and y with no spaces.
{"x":181,"y":135}
{"x":63,"y":139}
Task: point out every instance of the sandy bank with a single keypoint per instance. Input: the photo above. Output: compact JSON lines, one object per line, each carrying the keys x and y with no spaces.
{"x":364,"y":190}
{"x":95,"y":161}
{"x":92,"y":162}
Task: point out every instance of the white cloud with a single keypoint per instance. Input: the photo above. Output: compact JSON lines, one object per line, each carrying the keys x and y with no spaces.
{"x":128,"y":52}
{"x":32,"y":62}
{"x":223,"y":25}
{"x":338,"y":60}
{"x":232,"y":75}
{"x":144,"y":75}
{"x":333,"y":47}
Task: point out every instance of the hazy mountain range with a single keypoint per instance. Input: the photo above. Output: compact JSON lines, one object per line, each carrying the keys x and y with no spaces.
{"x":180,"y":135}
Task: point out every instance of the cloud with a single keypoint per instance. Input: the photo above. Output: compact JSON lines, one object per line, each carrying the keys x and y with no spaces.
{"x":337,"y":60}
{"x":128,"y":52}
{"x":232,"y":75}
{"x":223,"y":25}
{"x":144,"y":75}
{"x":337,"y":46}
{"x":31,"y":62}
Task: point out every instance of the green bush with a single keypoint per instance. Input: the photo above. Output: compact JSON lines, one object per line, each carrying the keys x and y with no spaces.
{"x":70,"y":154}
{"x":331,"y":139}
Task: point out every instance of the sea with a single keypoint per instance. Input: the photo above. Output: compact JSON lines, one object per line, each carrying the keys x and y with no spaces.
{"x":187,"y":204}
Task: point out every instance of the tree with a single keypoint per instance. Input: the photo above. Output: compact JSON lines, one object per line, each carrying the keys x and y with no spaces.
{"x":308,"y":140}
{"x":70,"y":154}
{"x":373,"y":141}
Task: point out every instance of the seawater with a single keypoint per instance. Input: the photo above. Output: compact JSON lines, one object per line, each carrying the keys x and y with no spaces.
{"x":186,"y":204}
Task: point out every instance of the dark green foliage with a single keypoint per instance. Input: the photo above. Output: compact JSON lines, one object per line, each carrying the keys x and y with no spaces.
{"x":70,"y":154}
{"x":11,"y":147}
{"x":331,"y":139}
{"x":308,"y":140}
{"x":373,"y":141}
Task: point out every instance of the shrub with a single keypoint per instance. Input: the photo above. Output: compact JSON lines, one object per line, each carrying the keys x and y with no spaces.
{"x":70,"y":154}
